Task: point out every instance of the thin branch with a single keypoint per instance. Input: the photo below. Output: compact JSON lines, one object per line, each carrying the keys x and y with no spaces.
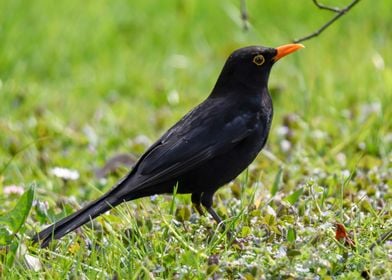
{"x":325,"y":7}
{"x":339,"y":13}
{"x":244,"y":15}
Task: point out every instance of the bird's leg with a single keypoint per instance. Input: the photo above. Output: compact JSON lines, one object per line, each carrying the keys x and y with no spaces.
{"x":206,"y":201}
{"x":196,"y":200}
{"x":215,"y":216}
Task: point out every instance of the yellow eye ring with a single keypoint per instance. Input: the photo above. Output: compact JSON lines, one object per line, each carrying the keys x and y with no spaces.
{"x":259,"y":60}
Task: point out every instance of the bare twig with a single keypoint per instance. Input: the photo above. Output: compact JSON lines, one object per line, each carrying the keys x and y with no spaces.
{"x":339,"y":13}
{"x":244,"y":14}
{"x":324,"y":7}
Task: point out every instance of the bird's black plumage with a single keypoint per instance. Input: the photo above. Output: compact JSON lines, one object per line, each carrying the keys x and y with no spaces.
{"x":206,"y":149}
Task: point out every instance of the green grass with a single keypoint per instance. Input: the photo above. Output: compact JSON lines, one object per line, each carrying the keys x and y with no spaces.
{"x":81,"y":82}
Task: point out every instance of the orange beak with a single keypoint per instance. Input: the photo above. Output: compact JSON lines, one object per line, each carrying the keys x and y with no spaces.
{"x":285,"y":50}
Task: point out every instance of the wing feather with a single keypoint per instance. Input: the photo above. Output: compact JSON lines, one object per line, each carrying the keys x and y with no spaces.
{"x":192,"y":142}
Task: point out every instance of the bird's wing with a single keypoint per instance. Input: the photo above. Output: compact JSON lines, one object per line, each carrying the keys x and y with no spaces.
{"x":204,"y":133}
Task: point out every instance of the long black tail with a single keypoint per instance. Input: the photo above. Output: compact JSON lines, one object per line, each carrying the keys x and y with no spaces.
{"x":84,"y":215}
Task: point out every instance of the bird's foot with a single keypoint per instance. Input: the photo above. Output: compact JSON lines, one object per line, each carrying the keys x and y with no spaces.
{"x":198,"y":208}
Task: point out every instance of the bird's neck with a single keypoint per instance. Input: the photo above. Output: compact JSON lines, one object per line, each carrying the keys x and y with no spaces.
{"x":231,"y":83}
{"x":239,"y":88}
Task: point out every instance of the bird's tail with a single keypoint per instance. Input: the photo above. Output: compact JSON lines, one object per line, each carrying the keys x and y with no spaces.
{"x":79,"y":218}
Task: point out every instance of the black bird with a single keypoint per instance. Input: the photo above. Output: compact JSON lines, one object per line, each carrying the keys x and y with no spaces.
{"x":207,"y":148}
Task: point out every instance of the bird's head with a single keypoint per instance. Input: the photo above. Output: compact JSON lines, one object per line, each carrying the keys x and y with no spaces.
{"x":250,"y":66}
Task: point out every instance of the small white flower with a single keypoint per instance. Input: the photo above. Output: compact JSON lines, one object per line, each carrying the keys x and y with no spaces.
{"x":388,"y":138}
{"x":282,"y":130}
{"x":43,"y":206}
{"x":299,"y":268}
{"x":179,"y":61}
{"x":346,"y":173}
{"x":324,"y":262}
{"x":341,"y":158}
{"x":378,"y":61}
{"x":325,"y":213}
{"x":369,"y":109}
{"x":13,"y":189}
{"x":285,"y":145}
{"x":318,"y":134}
{"x":282,"y":252}
{"x":270,"y":211}
{"x":173,"y":97}
{"x":65,"y":173}
{"x":362,"y":146}
{"x":325,"y":226}
{"x":361,"y":194}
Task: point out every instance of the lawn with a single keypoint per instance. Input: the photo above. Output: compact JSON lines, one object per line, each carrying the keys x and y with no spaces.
{"x":81,"y":83}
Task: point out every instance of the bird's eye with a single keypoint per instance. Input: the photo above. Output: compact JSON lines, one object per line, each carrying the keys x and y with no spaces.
{"x":258,"y":60}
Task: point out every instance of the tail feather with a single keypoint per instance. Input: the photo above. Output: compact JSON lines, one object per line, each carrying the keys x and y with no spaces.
{"x":82,"y":216}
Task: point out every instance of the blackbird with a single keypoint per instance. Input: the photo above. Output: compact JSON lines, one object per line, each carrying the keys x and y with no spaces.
{"x":207,"y":148}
